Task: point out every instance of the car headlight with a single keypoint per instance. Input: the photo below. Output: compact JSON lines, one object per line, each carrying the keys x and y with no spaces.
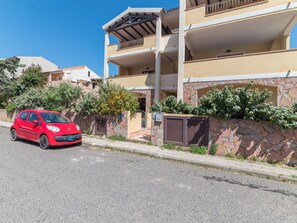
{"x":53,"y":128}
{"x":77,"y":127}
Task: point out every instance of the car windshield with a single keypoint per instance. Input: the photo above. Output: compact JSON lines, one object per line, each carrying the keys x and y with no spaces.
{"x":53,"y":118}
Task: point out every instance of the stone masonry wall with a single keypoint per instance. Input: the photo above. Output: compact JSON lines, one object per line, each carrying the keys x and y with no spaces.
{"x":116,"y":125}
{"x":287,"y":89}
{"x":252,"y":139}
{"x":264,"y":140}
{"x":157,"y":133}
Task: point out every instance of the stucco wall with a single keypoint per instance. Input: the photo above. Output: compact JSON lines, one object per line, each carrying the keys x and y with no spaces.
{"x":7,"y":116}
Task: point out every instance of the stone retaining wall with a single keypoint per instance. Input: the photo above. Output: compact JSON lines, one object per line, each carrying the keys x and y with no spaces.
{"x":249,"y":139}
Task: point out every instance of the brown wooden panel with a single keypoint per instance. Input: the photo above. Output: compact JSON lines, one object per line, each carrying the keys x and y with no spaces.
{"x":197,"y":131}
{"x":174,"y":130}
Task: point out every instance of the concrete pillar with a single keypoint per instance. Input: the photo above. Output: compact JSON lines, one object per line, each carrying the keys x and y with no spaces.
{"x":181,"y":50}
{"x":158,"y":59}
{"x":106,"y":67}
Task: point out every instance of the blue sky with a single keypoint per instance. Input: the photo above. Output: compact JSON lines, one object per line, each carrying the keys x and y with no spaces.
{"x":67,"y":32}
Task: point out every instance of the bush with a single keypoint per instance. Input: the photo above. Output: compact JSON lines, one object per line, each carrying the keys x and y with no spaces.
{"x":171,"y":105}
{"x":62,"y":97}
{"x":31,"y":99}
{"x":232,"y":103}
{"x":201,"y":150}
{"x":171,"y":147}
{"x":88,"y":105}
{"x":118,"y":138}
{"x":213,"y":149}
{"x":114,"y":99}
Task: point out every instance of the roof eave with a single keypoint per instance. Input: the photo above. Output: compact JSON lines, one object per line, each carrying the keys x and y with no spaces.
{"x":132,"y":10}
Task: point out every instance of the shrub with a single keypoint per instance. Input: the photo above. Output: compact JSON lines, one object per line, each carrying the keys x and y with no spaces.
{"x":114,"y":99}
{"x":232,"y":103}
{"x":213,"y":149}
{"x":118,"y":138}
{"x":202,"y":150}
{"x":88,"y":105}
{"x":30,"y":99}
{"x":62,"y":97}
{"x":171,"y":147}
{"x":172,"y":105}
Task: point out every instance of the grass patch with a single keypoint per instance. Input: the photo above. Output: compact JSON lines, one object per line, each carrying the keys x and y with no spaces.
{"x":201,"y":150}
{"x":213,"y":149}
{"x":171,"y":147}
{"x":118,"y":138}
{"x":294,"y":176}
{"x":230,"y":156}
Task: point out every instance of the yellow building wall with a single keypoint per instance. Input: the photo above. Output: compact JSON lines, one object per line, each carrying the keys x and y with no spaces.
{"x":134,"y":123}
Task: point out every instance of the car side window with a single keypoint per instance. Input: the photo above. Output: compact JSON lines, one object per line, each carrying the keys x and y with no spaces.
{"x":24,"y":115}
{"x":33,"y":116}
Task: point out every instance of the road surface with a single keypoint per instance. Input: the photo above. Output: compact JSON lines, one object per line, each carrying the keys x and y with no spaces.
{"x":77,"y":184}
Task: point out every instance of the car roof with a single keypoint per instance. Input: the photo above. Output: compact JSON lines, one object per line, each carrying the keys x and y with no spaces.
{"x":40,"y":111}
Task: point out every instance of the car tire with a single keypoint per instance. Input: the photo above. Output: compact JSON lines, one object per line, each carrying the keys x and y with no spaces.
{"x":13,"y":135}
{"x":79,"y":144}
{"x":43,"y":142}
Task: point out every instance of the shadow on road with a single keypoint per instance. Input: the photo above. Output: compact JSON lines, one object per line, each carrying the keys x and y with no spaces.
{"x":249,"y":185}
{"x":52,"y":148}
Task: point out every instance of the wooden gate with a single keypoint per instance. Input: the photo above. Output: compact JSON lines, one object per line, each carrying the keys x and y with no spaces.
{"x":186,"y":130}
{"x":101,"y":126}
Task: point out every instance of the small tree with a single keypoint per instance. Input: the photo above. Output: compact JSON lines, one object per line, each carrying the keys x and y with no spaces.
{"x":62,"y":97}
{"x":88,"y":105}
{"x":114,"y":99}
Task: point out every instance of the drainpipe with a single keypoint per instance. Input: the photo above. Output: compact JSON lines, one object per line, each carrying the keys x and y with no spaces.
{"x":158,"y":59}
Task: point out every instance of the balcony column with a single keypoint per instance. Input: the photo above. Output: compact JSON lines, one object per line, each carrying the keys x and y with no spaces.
{"x":181,"y":50}
{"x":106,"y":66}
{"x":158,"y":59}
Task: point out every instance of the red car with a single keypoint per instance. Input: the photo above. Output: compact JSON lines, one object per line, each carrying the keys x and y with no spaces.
{"x":48,"y":128}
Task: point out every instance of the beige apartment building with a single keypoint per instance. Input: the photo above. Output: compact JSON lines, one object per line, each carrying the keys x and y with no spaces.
{"x":203,"y":44}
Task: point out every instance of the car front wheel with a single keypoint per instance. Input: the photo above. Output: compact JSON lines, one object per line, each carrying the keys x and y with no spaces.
{"x":13,"y":135}
{"x":43,"y":142}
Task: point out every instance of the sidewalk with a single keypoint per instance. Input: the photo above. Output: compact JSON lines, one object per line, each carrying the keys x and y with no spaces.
{"x":222,"y":163}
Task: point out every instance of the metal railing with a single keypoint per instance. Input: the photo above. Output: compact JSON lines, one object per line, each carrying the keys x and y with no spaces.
{"x":132,"y":43}
{"x":228,"y":4}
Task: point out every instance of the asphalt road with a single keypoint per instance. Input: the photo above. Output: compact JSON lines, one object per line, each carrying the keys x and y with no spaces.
{"x":77,"y":184}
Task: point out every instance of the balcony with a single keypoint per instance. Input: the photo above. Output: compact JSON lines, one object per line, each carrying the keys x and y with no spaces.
{"x":228,"y":9}
{"x":248,"y":64}
{"x":146,"y":43}
{"x":228,"y":4}
{"x":168,"y":81}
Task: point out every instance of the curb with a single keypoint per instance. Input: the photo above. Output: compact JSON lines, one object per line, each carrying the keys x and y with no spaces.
{"x":209,"y":165}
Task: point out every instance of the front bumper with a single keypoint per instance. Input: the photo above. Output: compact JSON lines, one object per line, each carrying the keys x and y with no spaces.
{"x":68,"y":138}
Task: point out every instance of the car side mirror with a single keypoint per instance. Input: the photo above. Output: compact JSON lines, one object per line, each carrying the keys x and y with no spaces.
{"x":36,"y":122}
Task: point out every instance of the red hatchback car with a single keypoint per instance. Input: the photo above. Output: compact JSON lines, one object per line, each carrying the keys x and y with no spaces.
{"x":48,"y":128}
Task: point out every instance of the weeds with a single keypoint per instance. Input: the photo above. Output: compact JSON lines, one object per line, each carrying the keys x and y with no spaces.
{"x":213,"y":149}
{"x":201,"y":150}
{"x":118,"y":138}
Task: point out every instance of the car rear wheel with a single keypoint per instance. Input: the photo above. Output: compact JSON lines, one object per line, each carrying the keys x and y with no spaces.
{"x":43,"y":142}
{"x":13,"y":135}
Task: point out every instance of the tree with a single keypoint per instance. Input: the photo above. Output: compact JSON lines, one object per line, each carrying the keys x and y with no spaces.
{"x":8,"y":68}
{"x":62,"y":97}
{"x":32,"y":77}
{"x":114,"y":99}
{"x":88,"y":104}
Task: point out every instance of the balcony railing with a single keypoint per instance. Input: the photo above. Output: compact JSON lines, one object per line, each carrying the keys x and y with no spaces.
{"x":228,"y":4}
{"x":132,"y":43}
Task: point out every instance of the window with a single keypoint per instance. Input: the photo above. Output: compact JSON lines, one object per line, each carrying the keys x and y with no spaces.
{"x":53,"y":118}
{"x":32,"y":117}
{"x":89,"y":73}
{"x":24,"y":115}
